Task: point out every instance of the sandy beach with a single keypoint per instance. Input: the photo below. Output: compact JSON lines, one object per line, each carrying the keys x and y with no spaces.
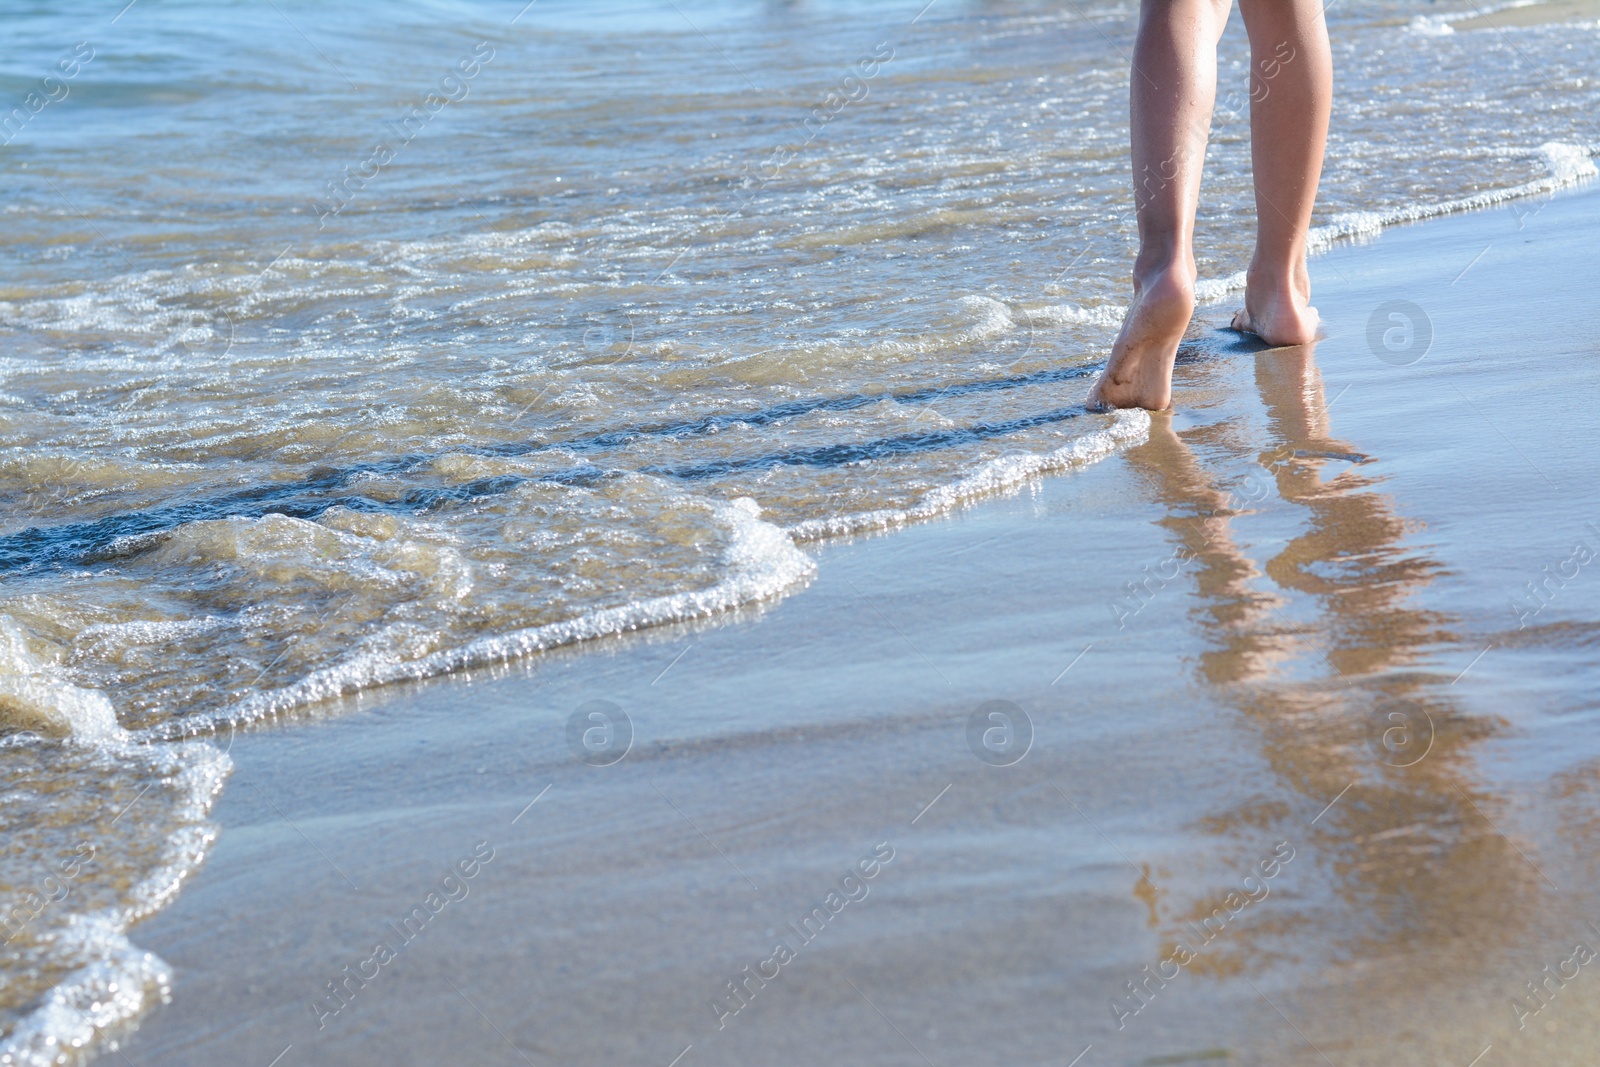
{"x":1298,"y":764}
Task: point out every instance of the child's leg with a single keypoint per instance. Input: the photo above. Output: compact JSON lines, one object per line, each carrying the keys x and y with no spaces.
{"x":1174,"y":86}
{"x":1291,"y":93}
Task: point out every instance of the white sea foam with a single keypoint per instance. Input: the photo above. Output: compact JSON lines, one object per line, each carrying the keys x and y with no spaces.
{"x":990,"y":318}
{"x":1211,"y":290}
{"x":759,"y":561}
{"x":1072,"y":315}
{"x":112,"y":980}
{"x":116,"y":982}
{"x":35,"y":698}
{"x":982,"y":318}
{"x":1432,"y":25}
{"x":1442,"y":25}
{"x":997,"y":475}
{"x":1569,"y":164}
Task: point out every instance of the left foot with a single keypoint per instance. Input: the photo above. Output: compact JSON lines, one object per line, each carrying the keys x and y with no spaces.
{"x":1139,"y":373}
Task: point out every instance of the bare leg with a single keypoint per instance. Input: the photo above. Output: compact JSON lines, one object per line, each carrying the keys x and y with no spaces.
{"x":1174,"y":84}
{"x":1291,"y":94}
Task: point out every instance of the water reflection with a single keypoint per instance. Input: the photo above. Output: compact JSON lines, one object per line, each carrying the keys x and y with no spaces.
{"x":1326,"y":651}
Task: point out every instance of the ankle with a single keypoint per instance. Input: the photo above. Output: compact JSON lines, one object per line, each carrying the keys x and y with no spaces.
{"x":1282,"y":280}
{"x":1164,"y":256}
{"x":1171,"y":279}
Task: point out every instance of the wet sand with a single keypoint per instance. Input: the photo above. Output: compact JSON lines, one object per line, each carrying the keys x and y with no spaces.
{"x":1299,"y":771}
{"x":1536,"y":14}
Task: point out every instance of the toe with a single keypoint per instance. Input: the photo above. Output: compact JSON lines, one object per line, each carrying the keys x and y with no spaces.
{"x":1096,"y":402}
{"x":1241,"y":321}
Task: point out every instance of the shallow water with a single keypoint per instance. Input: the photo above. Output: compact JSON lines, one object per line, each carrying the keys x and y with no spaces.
{"x":574,"y":354}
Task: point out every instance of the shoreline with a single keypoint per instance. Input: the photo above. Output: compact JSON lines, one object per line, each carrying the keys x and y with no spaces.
{"x":795,"y":734}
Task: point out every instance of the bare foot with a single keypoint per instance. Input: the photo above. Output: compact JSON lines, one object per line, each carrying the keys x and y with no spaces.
{"x":1280,"y":312}
{"x":1139,"y":373}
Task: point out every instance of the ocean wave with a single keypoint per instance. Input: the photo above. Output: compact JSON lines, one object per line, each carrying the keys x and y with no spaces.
{"x":1433,"y":25}
{"x":1569,"y":164}
{"x":1107,"y":315}
{"x":759,"y":561}
{"x":1128,"y":427}
{"x":34,"y":698}
{"x":105,"y":980}
{"x":108,"y":981}
{"x":1442,"y":25}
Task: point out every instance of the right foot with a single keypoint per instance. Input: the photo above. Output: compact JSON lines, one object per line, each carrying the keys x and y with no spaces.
{"x":1139,"y":373}
{"x":1280,"y":313}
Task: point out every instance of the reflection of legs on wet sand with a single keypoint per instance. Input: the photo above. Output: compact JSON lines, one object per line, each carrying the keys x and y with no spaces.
{"x":1415,"y":881}
{"x":1233,"y":612}
{"x":1352,"y":557}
